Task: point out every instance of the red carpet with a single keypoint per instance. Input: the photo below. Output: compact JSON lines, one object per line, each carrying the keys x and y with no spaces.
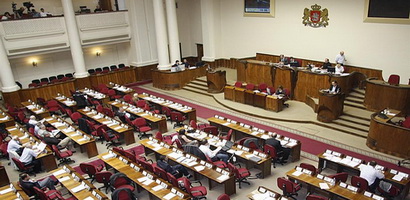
{"x":308,"y":145}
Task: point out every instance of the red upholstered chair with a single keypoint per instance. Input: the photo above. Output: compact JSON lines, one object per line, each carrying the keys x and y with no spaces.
{"x":104,"y":178}
{"x":250,"y":86}
{"x":166,"y":111}
{"x":141,"y":103}
{"x":22,"y":117}
{"x":271,"y":151}
{"x":270,"y":90}
{"x":394,"y":79}
{"x":406,"y":122}
{"x":218,"y":163}
{"x":178,"y":144}
{"x":178,"y":118}
{"x":23,"y":168}
{"x":288,"y":187}
{"x":148,"y":108}
{"x":238,"y":84}
{"x":263,"y":87}
{"x":241,"y":174}
{"x":340,"y":177}
{"x":105,"y":91}
{"x":108,"y":112}
{"x":33,"y":85}
{"x":128,"y":98}
{"x":309,"y":167}
{"x":100,"y":109}
{"x":223,"y":197}
{"x":51,"y":194}
{"x":359,"y":182}
{"x":52,"y":106}
{"x":315,"y":197}
{"x":123,"y":194}
{"x":197,"y":192}
{"x":75,"y":117}
{"x":227,"y":136}
{"x":113,"y":95}
{"x":194,"y":125}
{"x":101,"y":86}
{"x":211,"y":130}
{"x":160,"y":173}
{"x":146,"y":165}
{"x":110,"y":138}
{"x":91,"y":170}
{"x":120,"y":180}
{"x":391,"y":194}
{"x":174,"y":181}
{"x":62,"y":156}
{"x":165,"y":138}
{"x":241,"y":141}
{"x":141,"y":127}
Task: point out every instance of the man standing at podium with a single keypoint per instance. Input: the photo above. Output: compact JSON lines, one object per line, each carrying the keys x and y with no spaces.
{"x":334,"y":88}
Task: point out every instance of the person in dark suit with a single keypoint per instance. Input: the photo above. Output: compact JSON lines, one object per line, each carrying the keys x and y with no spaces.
{"x":293,"y":62}
{"x":285,"y":152}
{"x":177,"y":170}
{"x":28,"y":184}
{"x":327,"y":64}
{"x":334,"y":88}
{"x":283,"y":59}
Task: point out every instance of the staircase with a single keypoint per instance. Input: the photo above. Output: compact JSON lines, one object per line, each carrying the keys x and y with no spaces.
{"x":198,"y":86}
{"x":355,"y":99}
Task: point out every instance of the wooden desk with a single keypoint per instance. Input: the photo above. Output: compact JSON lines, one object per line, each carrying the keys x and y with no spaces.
{"x":66,"y":102}
{"x":70,"y":184}
{"x":380,"y":95}
{"x":167,"y":80}
{"x":241,"y":132}
{"x":229,"y":93}
{"x":121,"y":77}
{"x":136,"y":174}
{"x":95,"y":95}
{"x":13,"y":195}
{"x":159,"y":122}
{"x":185,"y":110}
{"x":387,"y":137}
{"x":88,"y":144}
{"x":240,"y":95}
{"x":216,"y":81}
{"x":6,"y":119}
{"x":259,"y":100}
{"x":36,"y":109}
{"x":264,"y":164}
{"x":326,"y":161}
{"x":330,"y":106}
{"x":4,"y":177}
{"x":274,"y":103}
{"x":120,"y":88}
{"x":249,"y":97}
{"x":126,"y":132}
{"x":262,"y":190}
{"x":335,"y":191}
{"x":210,"y":173}
{"x":48,"y":160}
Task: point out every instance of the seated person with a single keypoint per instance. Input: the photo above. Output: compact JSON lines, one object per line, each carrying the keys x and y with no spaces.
{"x":15,"y":145}
{"x":183,"y":139}
{"x":339,"y":69}
{"x":97,"y":9}
{"x":135,"y":98}
{"x":34,"y":13}
{"x":326,"y":64}
{"x":281,"y":92}
{"x":175,"y":67}
{"x":283,"y":60}
{"x":28,"y":184}
{"x":371,"y":174}
{"x":334,"y":88}
{"x":285,"y":152}
{"x":42,"y":131}
{"x":186,"y":63}
{"x":122,"y":113}
{"x":216,"y":154}
{"x":43,"y":13}
{"x":293,"y":62}
{"x":33,"y":121}
{"x":28,"y":157}
{"x":6,"y":16}
{"x":60,"y":143}
{"x":176,"y":170}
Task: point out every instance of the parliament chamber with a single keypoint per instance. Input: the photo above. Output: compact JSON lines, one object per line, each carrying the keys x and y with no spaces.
{"x":96,"y":97}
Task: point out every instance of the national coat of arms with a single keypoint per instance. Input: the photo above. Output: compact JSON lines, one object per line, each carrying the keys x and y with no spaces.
{"x":315,"y":17}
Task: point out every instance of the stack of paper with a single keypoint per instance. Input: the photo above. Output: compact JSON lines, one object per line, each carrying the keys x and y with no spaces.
{"x":158,"y":187}
{"x":65,"y":178}
{"x":61,"y":171}
{"x":199,"y":168}
{"x":223,"y":177}
{"x":169,"y":196}
{"x":324,"y":186}
{"x":297,"y":173}
{"x":78,"y":188}
{"x":6,"y":191}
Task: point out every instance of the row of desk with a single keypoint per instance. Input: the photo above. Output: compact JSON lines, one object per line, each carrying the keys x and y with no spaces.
{"x":258,"y":99}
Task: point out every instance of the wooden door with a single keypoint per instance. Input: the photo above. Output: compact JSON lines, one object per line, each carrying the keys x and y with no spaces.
{"x":200,"y":51}
{"x":105,"y":5}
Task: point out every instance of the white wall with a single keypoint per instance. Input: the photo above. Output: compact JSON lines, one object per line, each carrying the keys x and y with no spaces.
{"x":61,"y":62}
{"x":373,"y":45}
{"x":189,"y":17}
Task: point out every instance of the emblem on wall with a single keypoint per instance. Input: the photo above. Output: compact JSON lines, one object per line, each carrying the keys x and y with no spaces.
{"x":315,"y":18}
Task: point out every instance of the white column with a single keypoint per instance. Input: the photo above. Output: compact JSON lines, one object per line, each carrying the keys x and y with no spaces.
{"x":6,"y":74}
{"x":208,"y":30}
{"x":161,"y":35}
{"x":74,"y":38}
{"x":173,"y":35}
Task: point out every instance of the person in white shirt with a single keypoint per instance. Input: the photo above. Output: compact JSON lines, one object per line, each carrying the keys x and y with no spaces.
{"x":340,"y":58}
{"x":339,"y":69}
{"x":213,"y":154}
{"x":6,"y":16}
{"x":371,"y":174}
{"x":14,"y":144}
{"x":33,"y":121}
{"x":28,"y":157}
{"x":43,"y":13}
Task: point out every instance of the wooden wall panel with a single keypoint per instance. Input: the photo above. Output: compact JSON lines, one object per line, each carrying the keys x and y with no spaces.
{"x":12,"y":98}
{"x":284,"y":77}
{"x":175,"y":80}
{"x":47,"y":92}
{"x":144,"y":72}
{"x":258,"y":73}
{"x":240,"y":71}
{"x":81,"y":83}
{"x":120,"y":77}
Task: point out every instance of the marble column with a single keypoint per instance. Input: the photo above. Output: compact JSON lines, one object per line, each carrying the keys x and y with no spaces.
{"x":208,"y":29}
{"x":173,"y":35}
{"x":161,"y":35}
{"x":6,"y":74}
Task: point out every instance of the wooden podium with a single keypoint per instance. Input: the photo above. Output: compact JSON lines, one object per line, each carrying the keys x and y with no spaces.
{"x":229,"y":93}
{"x":330,"y":106}
{"x":259,"y":100}
{"x":240,"y":95}
{"x":216,"y":81}
{"x":274,"y":103}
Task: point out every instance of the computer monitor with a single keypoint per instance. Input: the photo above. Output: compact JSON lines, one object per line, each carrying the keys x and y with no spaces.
{"x":331,"y":69}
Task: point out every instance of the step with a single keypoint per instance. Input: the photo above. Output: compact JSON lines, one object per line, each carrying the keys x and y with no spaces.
{"x":360,"y":91}
{"x":200,"y":80}
{"x":345,"y":129}
{"x":195,"y":90}
{"x":198,"y":84}
{"x":199,"y":87}
{"x":355,"y":96}
{"x":354,"y":100}
{"x":365,"y":123}
{"x":353,"y":104}
{"x":357,"y":112}
{"x":352,"y":125}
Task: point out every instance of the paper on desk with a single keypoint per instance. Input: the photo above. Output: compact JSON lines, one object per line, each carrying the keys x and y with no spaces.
{"x":78,"y":188}
{"x":12,"y":129}
{"x":231,"y":151}
{"x":223,"y":177}
{"x":89,"y":198}
{"x":23,"y":137}
{"x":174,"y":155}
{"x":61,"y":171}
{"x":75,"y":134}
{"x":65,"y":178}
{"x":397,"y":177}
{"x":142,"y":179}
{"x":81,"y":140}
{"x":238,"y":153}
{"x":38,"y":111}
{"x":324,"y":186}
{"x":283,"y":142}
{"x":297,"y":173}
{"x":30,"y":107}
{"x":264,"y":136}
{"x":192,"y":164}
{"x":4,"y":118}
{"x":148,"y":181}
{"x":111,"y":124}
{"x":97,"y":117}
{"x":226,"y":124}
{"x":6,"y":191}
{"x":291,"y":144}
{"x":158,"y":187}
{"x":169,"y":196}
{"x":108,"y":156}
{"x":199,"y":168}
{"x":117,"y":128}
{"x":255,"y":133}
{"x":145,"y":114}
{"x":157,"y":148}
